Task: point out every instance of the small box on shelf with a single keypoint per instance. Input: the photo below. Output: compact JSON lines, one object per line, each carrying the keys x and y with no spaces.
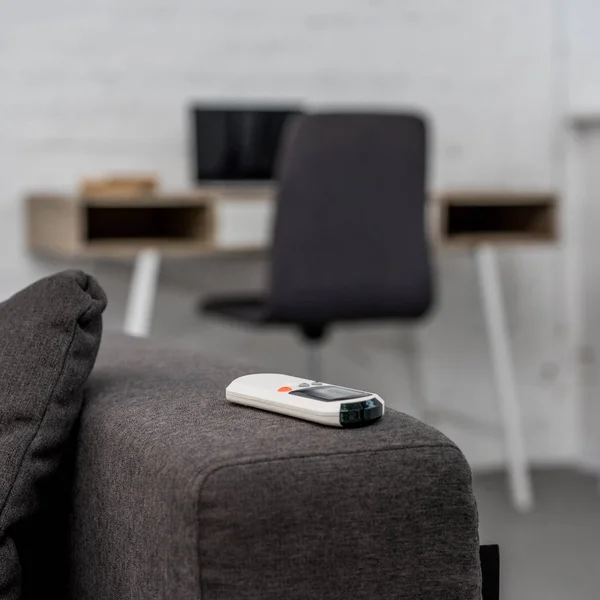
{"x":118,"y":186}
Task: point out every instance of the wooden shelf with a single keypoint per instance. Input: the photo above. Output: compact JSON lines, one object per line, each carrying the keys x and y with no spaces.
{"x":470,"y":218}
{"x":178,"y":224}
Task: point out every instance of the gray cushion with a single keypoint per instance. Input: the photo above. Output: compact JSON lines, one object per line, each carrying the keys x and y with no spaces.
{"x":49,"y":337}
{"x":180,"y":495}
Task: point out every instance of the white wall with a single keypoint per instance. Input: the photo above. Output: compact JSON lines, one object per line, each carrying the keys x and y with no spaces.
{"x":583,"y":52}
{"x":583,"y":74}
{"x":91,"y":87}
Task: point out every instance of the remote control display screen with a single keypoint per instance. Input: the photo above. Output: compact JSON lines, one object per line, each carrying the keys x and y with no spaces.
{"x":329,"y":393}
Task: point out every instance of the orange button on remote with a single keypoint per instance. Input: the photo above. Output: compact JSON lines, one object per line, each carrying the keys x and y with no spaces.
{"x":284,"y":389}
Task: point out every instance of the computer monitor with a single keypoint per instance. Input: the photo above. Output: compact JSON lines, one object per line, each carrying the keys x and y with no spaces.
{"x":237,"y":144}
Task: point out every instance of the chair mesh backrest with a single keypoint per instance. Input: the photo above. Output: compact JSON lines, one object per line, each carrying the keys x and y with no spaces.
{"x":350,"y":240}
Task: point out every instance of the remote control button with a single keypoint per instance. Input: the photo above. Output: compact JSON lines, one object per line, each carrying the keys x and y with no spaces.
{"x":304,"y":385}
{"x":285,"y":389}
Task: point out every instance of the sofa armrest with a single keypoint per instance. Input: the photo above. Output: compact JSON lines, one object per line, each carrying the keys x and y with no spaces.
{"x":179,"y":494}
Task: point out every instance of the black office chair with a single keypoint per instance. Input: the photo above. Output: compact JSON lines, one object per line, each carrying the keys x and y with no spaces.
{"x":350,"y":240}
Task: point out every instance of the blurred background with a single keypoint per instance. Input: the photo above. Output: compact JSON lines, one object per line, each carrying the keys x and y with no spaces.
{"x":510,"y":91}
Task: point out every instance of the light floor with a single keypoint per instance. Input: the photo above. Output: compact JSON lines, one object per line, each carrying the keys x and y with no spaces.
{"x":553,"y":553}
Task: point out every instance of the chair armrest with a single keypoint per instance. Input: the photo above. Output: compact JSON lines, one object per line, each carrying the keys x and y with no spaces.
{"x":179,"y":494}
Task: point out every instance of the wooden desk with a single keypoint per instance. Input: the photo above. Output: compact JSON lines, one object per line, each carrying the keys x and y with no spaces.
{"x":216,"y":218}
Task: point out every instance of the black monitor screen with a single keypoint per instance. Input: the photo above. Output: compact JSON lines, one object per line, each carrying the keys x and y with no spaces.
{"x":237,"y":144}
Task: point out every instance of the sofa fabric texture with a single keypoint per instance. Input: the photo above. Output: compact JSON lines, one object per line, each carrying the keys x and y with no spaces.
{"x":179,"y":494}
{"x":49,"y":337}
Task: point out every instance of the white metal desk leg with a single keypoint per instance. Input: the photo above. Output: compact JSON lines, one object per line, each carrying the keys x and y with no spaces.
{"x":142,"y":293}
{"x":413,"y":359}
{"x":495,"y":317}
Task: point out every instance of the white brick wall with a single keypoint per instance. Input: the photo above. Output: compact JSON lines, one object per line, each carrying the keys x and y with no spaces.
{"x":581,"y":68}
{"x":95,"y":86}
{"x":581,"y":32}
{"x":103,"y":85}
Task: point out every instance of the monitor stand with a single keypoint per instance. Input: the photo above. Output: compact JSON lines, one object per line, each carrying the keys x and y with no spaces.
{"x":238,"y":189}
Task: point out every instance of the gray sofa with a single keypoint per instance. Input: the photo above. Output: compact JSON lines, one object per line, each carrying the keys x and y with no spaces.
{"x":178,"y":495}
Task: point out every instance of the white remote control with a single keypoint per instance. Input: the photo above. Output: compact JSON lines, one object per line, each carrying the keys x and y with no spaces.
{"x":310,"y":400}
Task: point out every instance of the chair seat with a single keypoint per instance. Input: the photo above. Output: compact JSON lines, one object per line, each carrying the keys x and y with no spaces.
{"x":254,"y":309}
{"x":246,"y":308}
